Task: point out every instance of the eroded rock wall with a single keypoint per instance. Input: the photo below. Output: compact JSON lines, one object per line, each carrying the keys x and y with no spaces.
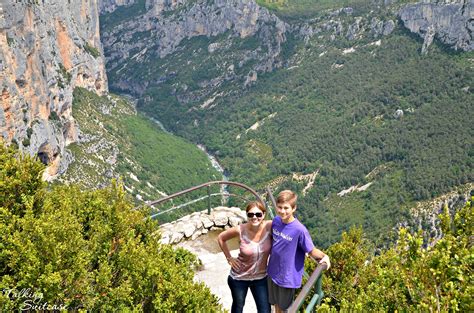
{"x":107,"y":6}
{"x":160,"y":30}
{"x":46,"y":49}
{"x":452,"y":22}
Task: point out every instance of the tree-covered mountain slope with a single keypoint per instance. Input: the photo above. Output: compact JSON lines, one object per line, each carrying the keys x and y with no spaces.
{"x":347,"y":100}
{"x":336,"y":115}
{"x":117,"y":142}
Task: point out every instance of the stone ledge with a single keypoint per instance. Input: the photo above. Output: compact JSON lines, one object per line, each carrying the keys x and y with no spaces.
{"x":198,"y":223}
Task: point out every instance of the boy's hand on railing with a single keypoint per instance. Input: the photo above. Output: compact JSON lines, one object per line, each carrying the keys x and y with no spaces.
{"x":325,"y":259}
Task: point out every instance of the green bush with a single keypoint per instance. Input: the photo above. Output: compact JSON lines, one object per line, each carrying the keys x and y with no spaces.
{"x":64,"y":76}
{"x":26,"y":142}
{"x":75,"y":249}
{"x":92,"y":50}
{"x":410,"y":276}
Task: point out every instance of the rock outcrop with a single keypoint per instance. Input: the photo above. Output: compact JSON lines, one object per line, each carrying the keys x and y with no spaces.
{"x":452,"y":22}
{"x":424,"y":216}
{"x":46,"y":49}
{"x":199,"y":223}
{"x":108,"y":6}
{"x":196,"y":18}
{"x":336,"y":24}
{"x":166,"y":24}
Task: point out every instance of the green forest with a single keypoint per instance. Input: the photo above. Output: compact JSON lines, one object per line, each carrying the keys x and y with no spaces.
{"x":331,"y":109}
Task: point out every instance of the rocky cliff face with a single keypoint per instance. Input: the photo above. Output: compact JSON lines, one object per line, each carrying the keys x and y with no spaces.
{"x":107,"y":6}
{"x":46,"y":49}
{"x":452,"y":22}
{"x":336,"y":24}
{"x":424,"y":216}
{"x":164,"y":25}
{"x":193,"y":50}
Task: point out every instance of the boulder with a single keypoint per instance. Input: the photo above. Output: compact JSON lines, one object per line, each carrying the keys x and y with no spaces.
{"x":189,"y":229}
{"x":206,"y":221}
{"x":176,"y":237}
{"x":234,"y":221}
{"x":220,"y":218}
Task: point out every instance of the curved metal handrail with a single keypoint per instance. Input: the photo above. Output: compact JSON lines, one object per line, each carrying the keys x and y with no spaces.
{"x":316,"y":276}
{"x":197,"y":200}
{"x":208,"y":184}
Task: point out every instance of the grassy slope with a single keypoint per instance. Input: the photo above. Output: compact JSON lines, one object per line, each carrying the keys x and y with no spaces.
{"x":302,"y":9}
{"x":148,"y":159}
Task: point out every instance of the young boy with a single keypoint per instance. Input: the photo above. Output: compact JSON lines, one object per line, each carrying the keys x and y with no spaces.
{"x":291,"y":241}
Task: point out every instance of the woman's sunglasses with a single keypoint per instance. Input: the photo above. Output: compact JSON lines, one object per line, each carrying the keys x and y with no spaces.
{"x":258,"y":214}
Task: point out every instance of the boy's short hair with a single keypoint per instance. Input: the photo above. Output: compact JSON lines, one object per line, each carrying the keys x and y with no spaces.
{"x":287,"y":196}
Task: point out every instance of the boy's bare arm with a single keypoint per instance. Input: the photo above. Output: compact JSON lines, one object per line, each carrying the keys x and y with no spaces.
{"x":320,"y":256}
{"x":317,"y":254}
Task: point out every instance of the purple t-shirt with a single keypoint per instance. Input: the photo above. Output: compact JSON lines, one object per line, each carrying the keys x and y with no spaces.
{"x":290,"y":244}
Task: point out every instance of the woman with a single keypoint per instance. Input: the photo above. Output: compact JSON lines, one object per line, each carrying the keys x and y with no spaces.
{"x":249,"y":269}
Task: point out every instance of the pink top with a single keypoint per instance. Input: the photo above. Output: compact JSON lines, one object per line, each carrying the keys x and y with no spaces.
{"x":253,"y":256}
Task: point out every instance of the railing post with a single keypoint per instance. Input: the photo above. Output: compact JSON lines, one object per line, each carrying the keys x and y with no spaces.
{"x":319,"y":288}
{"x":272,"y":199}
{"x":208,"y":199}
{"x":313,"y":279}
{"x":317,"y":297}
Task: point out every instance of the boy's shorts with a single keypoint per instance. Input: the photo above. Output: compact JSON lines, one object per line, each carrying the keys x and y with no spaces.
{"x":281,"y":296}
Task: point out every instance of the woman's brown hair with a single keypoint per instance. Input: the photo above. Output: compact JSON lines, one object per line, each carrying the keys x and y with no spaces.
{"x":257,"y":204}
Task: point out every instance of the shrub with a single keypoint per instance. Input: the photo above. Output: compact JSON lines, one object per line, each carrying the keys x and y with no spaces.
{"x":410,"y":276}
{"x":91,"y":50}
{"x":72,"y":249}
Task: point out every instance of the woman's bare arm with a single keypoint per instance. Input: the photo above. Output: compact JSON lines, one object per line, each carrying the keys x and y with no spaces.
{"x":222,"y":240}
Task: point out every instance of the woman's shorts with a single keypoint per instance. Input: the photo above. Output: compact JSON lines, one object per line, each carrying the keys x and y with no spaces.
{"x":281,"y":296}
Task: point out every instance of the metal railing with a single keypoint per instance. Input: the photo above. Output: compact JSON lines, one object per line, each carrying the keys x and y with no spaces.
{"x":315,"y":280}
{"x":208,"y":196}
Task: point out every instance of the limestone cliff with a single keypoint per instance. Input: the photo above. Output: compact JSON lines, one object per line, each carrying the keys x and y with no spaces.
{"x":160,"y":26}
{"x":46,"y":49}
{"x":198,"y":48}
{"x":452,"y":22}
{"x":107,"y":6}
